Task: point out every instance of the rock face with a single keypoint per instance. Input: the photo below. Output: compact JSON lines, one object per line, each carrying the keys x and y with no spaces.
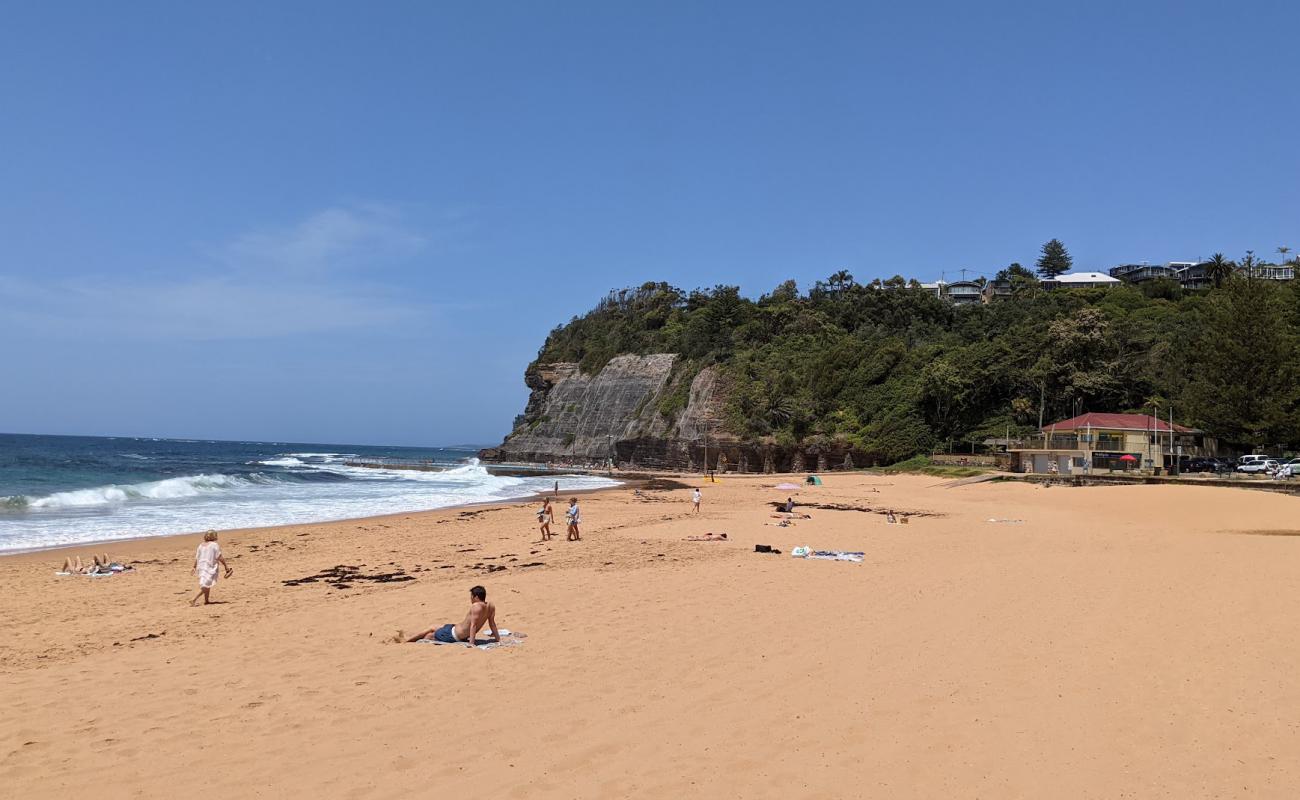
{"x":576,"y":417}
{"x":626,"y":412}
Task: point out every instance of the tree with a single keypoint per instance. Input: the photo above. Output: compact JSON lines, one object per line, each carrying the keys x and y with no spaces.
{"x":1244,"y":366}
{"x":1017,"y":276}
{"x":1218,"y":269}
{"x":840,"y":280}
{"x":1282,"y":251}
{"x":1248,"y":263}
{"x":1055,"y":259}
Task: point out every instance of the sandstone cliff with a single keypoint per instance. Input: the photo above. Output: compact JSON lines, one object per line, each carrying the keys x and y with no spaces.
{"x":641,"y":412}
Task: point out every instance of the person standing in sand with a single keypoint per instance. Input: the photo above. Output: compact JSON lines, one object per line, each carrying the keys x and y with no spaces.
{"x":206,"y":559}
{"x":545,"y":517}
{"x":480,"y":612}
{"x":575,"y":519}
{"x":695,"y":499}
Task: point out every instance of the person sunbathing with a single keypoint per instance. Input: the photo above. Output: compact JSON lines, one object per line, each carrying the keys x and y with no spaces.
{"x":480,"y":612}
{"x":100,"y":565}
{"x":708,"y":537}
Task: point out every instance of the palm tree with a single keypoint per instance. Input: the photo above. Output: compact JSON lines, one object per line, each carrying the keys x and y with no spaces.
{"x":1283,"y":251}
{"x":779,"y":410}
{"x":840,"y":280}
{"x":1218,"y":269}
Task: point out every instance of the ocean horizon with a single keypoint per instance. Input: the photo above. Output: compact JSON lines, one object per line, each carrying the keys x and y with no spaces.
{"x":68,"y":490}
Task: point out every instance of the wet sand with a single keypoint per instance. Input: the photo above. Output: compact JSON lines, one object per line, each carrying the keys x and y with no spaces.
{"x":1093,"y":642}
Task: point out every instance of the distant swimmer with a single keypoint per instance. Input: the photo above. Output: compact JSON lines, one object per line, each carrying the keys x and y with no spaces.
{"x":695,"y":500}
{"x":206,"y":559}
{"x":480,"y":612}
{"x":575,"y":519}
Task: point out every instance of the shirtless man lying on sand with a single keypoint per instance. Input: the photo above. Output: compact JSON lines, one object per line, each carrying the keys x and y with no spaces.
{"x":480,"y":611}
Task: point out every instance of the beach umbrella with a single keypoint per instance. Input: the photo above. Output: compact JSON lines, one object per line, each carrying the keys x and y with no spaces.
{"x":1128,"y":457}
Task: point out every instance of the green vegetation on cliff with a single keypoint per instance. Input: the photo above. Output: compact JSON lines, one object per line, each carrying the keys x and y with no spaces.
{"x":896,"y":371}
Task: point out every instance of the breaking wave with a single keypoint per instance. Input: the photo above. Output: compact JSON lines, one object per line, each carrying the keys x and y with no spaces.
{"x":114,"y":494}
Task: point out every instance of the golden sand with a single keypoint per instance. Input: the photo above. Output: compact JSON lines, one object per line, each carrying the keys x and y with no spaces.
{"x":1092,"y":642}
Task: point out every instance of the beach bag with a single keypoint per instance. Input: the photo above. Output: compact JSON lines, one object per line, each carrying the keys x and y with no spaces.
{"x":801,"y":552}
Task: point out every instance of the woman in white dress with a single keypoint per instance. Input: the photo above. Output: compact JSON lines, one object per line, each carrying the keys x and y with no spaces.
{"x":206,"y":559}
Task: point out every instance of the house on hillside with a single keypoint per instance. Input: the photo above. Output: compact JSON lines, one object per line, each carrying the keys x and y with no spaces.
{"x":1098,"y":442}
{"x":1080,"y":280}
{"x":956,"y":292}
{"x":1269,"y":272}
{"x":998,"y":290}
{"x":964,"y":292}
{"x":1141,"y":273}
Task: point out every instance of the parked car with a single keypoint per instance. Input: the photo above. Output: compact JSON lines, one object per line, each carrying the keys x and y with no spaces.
{"x":1204,"y":464}
{"x":1267,"y":466}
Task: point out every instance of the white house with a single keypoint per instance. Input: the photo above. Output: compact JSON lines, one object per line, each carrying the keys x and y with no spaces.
{"x":1083,"y":280}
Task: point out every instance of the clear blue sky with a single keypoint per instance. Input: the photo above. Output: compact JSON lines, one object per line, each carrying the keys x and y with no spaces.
{"x":357,"y":222}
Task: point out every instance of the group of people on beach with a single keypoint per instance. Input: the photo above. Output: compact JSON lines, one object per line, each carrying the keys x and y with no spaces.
{"x":100,"y":565}
{"x":573,"y":518}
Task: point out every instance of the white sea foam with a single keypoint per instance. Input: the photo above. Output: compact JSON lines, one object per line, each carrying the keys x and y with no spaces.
{"x":288,"y":461}
{"x":198,"y":502}
{"x":168,"y":489}
{"x":324,"y":456}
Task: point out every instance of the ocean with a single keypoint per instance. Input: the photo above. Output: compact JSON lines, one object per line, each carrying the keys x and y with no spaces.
{"x":60,"y":490}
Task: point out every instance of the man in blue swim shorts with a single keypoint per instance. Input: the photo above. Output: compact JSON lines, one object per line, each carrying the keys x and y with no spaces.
{"x":480,"y":612}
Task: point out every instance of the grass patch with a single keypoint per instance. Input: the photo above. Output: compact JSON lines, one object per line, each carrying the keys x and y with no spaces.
{"x":922,"y":465}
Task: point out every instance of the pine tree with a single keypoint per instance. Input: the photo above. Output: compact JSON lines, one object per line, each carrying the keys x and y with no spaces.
{"x":1055,"y":259}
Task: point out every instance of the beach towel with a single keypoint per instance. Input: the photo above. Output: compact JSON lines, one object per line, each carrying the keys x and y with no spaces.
{"x":508,"y":639}
{"x":837,"y":555}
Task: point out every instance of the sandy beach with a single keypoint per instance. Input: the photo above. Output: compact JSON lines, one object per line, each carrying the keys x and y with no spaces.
{"x":1009,"y":641}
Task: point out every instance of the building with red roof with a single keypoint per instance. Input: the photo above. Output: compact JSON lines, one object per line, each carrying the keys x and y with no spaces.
{"x":1102,"y":441}
{"x":1116,"y":422}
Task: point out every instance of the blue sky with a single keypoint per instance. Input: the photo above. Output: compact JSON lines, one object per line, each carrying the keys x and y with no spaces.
{"x":357,"y":222}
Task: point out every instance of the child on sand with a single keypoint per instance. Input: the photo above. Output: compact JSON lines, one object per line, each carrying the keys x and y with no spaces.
{"x":695,"y":500}
{"x":206,"y":559}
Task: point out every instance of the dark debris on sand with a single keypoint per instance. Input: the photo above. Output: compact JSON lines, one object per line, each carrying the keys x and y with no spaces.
{"x":663,"y":485}
{"x":779,"y":505}
{"x":344,"y":575}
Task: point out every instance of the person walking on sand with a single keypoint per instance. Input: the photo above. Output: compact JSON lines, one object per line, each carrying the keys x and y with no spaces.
{"x":545,"y":517}
{"x":695,"y":499}
{"x":480,"y":612}
{"x":206,"y":559}
{"x":575,"y":519}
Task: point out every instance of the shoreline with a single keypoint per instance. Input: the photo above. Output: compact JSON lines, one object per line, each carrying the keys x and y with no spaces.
{"x":130,"y":543}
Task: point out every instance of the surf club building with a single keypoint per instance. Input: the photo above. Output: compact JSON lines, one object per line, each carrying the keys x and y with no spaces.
{"x":1093,"y":442}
